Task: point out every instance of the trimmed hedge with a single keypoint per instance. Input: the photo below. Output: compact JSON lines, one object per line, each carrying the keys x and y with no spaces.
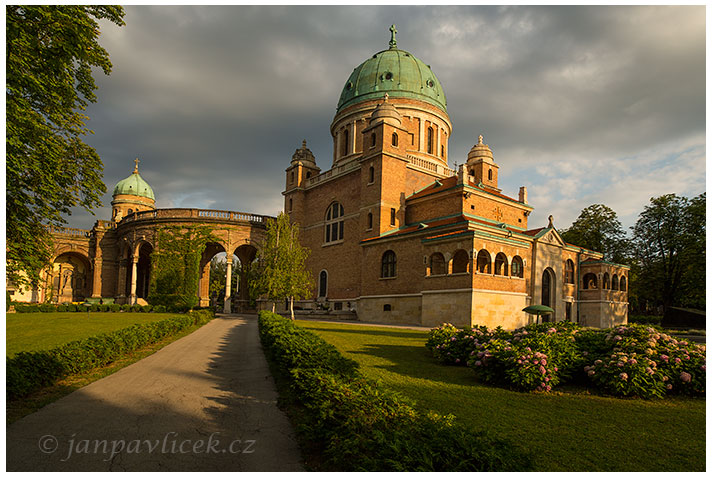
{"x":26,"y":308}
{"x":30,"y":371}
{"x":359,"y":426}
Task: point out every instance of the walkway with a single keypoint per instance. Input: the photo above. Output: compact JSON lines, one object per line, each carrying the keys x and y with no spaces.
{"x":206,"y":402}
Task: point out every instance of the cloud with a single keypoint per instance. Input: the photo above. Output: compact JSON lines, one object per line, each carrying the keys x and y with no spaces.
{"x":580,"y":104}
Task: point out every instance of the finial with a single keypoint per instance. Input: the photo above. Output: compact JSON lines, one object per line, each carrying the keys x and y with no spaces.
{"x":551,"y":221}
{"x":136,"y":167}
{"x":393,"y":30}
{"x":385,"y":98}
{"x":304,"y":144}
{"x":479,"y":141}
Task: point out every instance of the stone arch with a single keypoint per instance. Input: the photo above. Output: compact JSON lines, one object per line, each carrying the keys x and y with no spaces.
{"x":69,"y":277}
{"x":606,"y":281}
{"x":590,"y":281}
{"x":517,"y":267}
{"x":484,"y":262}
{"x":548,"y":291}
{"x":438,"y":266}
{"x":614,"y":282}
{"x":460,"y":261}
{"x":569,"y":272}
{"x":501,"y":264}
{"x":623,"y":285}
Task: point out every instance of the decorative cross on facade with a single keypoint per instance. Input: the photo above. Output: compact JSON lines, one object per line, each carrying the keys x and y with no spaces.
{"x":136,"y":167}
{"x":498,"y":213}
{"x":393,"y":30}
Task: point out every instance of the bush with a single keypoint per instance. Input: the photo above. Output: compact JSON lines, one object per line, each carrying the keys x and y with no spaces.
{"x":62,"y":308}
{"x":47,"y":308}
{"x":114,"y":307}
{"x":159,"y":308}
{"x":361,"y":427}
{"x":126,"y":307}
{"x":26,"y":308}
{"x":30,"y":371}
{"x":8,"y":300}
{"x":645,"y":319}
{"x":72,"y":308}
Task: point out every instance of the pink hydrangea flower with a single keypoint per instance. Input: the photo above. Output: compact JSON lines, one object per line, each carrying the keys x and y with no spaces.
{"x":457,"y":360}
{"x":649,"y":371}
{"x":542,"y":370}
{"x":478,"y":363}
{"x":669,"y":387}
{"x":623,"y":376}
{"x":685,"y":377}
{"x":677,"y":360}
{"x":591,"y":373}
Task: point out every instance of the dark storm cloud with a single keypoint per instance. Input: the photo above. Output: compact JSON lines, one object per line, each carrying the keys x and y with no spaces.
{"x":580,"y":104}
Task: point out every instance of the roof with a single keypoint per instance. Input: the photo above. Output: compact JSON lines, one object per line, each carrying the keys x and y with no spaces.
{"x":134,"y":185}
{"x":396,"y":72}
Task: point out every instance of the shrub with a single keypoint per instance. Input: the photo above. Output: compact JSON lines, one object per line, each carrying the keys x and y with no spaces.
{"x":114,"y":307}
{"x":72,"y":308}
{"x":62,"y":308}
{"x":47,"y":308}
{"x":29,"y":371}
{"x":8,"y":300}
{"x":361,"y":427}
{"x":126,"y":307}
{"x":26,"y":308}
{"x":159,"y":308}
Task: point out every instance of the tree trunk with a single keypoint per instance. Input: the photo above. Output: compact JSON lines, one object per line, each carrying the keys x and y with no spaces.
{"x":273,"y":307}
{"x":291,"y":306}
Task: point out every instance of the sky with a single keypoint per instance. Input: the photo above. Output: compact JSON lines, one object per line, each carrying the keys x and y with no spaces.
{"x":582,"y":105}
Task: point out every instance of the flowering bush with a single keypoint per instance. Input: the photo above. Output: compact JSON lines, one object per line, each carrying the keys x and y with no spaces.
{"x":630,"y":360}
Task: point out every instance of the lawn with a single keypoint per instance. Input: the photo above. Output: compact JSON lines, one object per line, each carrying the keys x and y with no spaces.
{"x":46,"y":330}
{"x":565,"y":431}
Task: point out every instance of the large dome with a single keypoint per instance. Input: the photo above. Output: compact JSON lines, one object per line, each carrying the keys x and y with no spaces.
{"x":395,"y":72}
{"x":135,"y":186}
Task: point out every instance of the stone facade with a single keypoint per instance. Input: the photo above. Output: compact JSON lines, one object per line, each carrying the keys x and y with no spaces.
{"x":400,"y":237}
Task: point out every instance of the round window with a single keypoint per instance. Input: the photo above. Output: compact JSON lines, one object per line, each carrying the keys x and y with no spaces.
{"x":430,"y":83}
{"x":389,"y":76}
{"x":349,"y":85}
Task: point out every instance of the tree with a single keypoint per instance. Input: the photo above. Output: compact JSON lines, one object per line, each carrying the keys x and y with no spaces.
{"x":669,"y":242}
{"x":597,"y":228}
{"x":281,"y":270}
{"x":50,"y":53}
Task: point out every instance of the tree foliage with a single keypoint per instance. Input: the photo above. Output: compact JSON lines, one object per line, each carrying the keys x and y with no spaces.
{"x":597,"y":228}
{"x":281,"y":273}
{"x":669,"y":246}
{"x":50,"y":53}
{"x":175,"y":265}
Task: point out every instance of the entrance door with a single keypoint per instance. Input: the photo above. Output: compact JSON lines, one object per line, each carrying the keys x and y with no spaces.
{"x":547,"y":283}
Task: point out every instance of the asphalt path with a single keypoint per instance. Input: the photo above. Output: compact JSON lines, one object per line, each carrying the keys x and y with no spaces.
{"x":206,"y":402}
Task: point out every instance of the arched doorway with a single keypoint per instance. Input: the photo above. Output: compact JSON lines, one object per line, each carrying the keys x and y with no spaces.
{"x":143,"y":270}
{"x":242,"y":300}
{"x":213,"y":266}
{"x":547,"y":292}
{"x":69,"y":278}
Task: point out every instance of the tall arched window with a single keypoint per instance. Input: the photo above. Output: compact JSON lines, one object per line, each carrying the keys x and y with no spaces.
{"x":623,"y":283}
{"x":430,"y":140}
{"x":460,"y":261}
{"x":373,"y":139}
{"x":369,"y":221}
{"x":346,"y":142}
{"x":590,"y":281}
{"x":394,"y":139}
{"x":437,"y":264}
{"x":323,"y":279}
{"x":489,"y":174}
{"x":517,"y":267}
{"x":388,"y":264}
{"x":569,"y":272}
{"x":484,"y":262}
{"x":371,"y":174}
{"x":606,"y":281}
{"x":334,"y":223}
{"x":500,"y":264}
{"x":442,"y":150}
{"x":614,"y":282}
{"x":290,"y":204}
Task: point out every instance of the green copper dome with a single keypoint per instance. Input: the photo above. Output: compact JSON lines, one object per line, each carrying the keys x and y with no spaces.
{"x":134,"y":185}
{"x":395,"y":72}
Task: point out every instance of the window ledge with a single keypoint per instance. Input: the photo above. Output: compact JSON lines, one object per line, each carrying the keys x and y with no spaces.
{"x":333,"y":243}
{"x":387,"y":278}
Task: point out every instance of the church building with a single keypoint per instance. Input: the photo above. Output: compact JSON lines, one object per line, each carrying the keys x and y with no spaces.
{"x":398,"y":236}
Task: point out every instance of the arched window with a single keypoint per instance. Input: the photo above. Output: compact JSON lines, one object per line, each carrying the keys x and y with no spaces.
{"x":130,"y":211}
{"x":606,"y":281}
{"x":373,"y":139}
{"x":323,"y":279}
{"x":623,"y":283}
{"x":292,"y":177}
{"x":430,"y":140}
{"x":614,"y":282}
{"x":489,"y":174}
{"x":590,"y":281}
{"x":371,"y":174}
{"x":334,"y":223}
{"x":290,"y":204}
{"x":442,"y":150}
{"x":484,"y":262}
{"x":369,"y":221}
{"x":547,"y":289}
{"x":388,"y":264}
{"x":460,"y":261}
{"x":308,"y":174}
{"x":346,"y":142}
{"x":393,"y":216}
{"x":569,"y":272}
{"x":500,"y":264}
{"x":394,"y":139}
{"x":517,"y":267}
{"x":437,"y":264}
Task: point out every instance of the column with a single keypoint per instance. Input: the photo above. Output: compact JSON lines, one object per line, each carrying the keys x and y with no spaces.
{"x":436,"y":151}
{"x":96,"y":279}
{"x":121,"y":280}
{"x":228,"y":282}
{"x":421,"y":133}
{"x":134,"y":273}
{"x":352,"y":139}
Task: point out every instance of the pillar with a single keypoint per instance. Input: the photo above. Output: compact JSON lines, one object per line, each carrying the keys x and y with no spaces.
{"x":228,"y":282}
{"x":204,"y":286}
{"x":134,"y":273}
{"x":96,"y":279}
{"x":121,"y":282}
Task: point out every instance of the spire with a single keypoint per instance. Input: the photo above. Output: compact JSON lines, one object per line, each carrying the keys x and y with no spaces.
{"x":135,"y":171}
{"x":393,"y":30}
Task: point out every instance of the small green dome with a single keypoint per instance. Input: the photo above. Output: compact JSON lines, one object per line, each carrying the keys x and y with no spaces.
{"x":397,"y":73}
{"x":134,"y":185}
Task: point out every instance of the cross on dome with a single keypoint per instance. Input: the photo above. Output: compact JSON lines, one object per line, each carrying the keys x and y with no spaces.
{"x":136,"y":167}
{"x":393,"y":30}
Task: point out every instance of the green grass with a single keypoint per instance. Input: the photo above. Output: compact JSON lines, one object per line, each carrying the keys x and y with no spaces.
{"x":573,"y":430}
{"x":46,"y":330}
